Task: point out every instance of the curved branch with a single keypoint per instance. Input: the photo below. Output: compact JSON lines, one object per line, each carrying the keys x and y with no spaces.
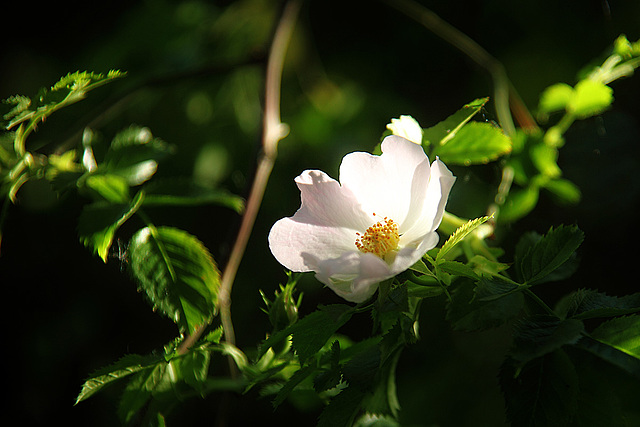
{"x":273,"y":131}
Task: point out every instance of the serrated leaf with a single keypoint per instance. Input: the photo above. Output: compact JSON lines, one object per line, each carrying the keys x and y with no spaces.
{"x":549,"y":253}
{"x":193,"y":368}
{"x":442,"y":132}
{"x":141,"y":389}
{"x":622,"y":333}
{"x":459,"y":235}
{"x":69,"y":89}
{"x":177,"y":273}
{"x":183,"y":192}
{"x":495,"y":287}
{"x":589,"y":304}
{"x":474,"y":143}
{"x":312,"y":332}
{"x":539,"y":335}
{"x":98,"y":223}
{"x":299,"y":376}
{"x":467,"y":313}
{"x":121,"y":369}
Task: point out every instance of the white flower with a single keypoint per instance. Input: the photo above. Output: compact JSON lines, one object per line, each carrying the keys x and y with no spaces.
{"x":378,"y":221}
{"x":406,"y":127}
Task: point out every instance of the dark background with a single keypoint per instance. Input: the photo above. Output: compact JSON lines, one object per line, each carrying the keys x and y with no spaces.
{"x":351,"y":67}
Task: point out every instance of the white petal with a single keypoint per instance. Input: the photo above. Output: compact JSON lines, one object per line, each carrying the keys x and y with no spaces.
{"x":406,"y":127}
{"x":324,"y":226}
{"x":410,"y":254}
{"x":354,"y":276}
{"x":382,"y":184}
{"x":440,"y":182}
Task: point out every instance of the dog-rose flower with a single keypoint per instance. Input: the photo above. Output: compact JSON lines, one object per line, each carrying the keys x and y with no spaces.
{"x":378,"y":221}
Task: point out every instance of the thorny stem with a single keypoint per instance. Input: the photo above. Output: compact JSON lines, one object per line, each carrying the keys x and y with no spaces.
{"x":273,"y":131}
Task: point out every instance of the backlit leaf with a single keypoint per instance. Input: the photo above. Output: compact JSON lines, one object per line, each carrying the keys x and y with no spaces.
{"x":474,"y":143}
{"x":447,"y":129}
{"x":177,"y":273}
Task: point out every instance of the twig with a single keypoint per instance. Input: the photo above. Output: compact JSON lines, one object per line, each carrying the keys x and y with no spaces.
{"x":273,"y":131}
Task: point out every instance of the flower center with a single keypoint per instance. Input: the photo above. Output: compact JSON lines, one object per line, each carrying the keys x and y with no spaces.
{"x":380,"y":239}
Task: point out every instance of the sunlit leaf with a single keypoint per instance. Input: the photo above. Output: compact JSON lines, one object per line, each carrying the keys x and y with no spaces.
{"x":555,"y":98}
{"x":623,"y":333}
{"x":590,"y":98}
{"x":447,"y":129}
{"x":474,"y":143}
{"x":122,"y":368}
{"x":177,"y":273}
{"x":459,"y":235}
{"x":112,"y":188}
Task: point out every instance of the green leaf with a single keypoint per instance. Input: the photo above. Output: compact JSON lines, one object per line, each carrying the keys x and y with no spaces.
{"x":459,"y":235}
{"x":68,"y":90}
{"x":178,"y":274}
{"x":622,"y":333}
{"x":122,"y":368}
{"x":543,"y":393}
{"x":467,"y":313}
{"x":184,"y":192}
{"x":99,"y":222}
{"x":589,"y":304}
{"x":194,"y":368}
{"x":134,"y":154}
{"x":519,"y":203}
{"x":474,"y":143}
{"x":555,"y":98}
{"x":331,"y":377}
{"x":591,"y":97}
{"x":539,"y":335}
{"x":491,"y":288}
{"x":611,"y":354}
{"x":112,"y":188}
{"x":312,"y":332}
{"x":342,"y":409}
{"x":458,"y":269}
{"x":141,"y":389}
{"x":447,"y":129}
{"x":564,"y":190}
{"x":545,"y":159}
{"x":299,"y":376}
{"x":549,"y":253}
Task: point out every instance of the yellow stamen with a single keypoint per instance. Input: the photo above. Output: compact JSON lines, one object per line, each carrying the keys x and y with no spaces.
{"x":380,"y":239}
